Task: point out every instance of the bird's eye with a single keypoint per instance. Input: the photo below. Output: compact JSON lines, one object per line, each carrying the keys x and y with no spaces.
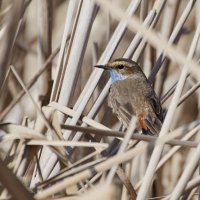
{"x":120,"y":67}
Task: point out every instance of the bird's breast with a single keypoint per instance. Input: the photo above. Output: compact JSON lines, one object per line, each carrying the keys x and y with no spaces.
{"x":132,"y":92}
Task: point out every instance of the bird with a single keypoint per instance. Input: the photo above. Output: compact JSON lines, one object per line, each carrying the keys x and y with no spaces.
{"x":131,"y":94}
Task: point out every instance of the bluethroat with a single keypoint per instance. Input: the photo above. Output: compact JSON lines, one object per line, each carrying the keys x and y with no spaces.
{"x":131,"y":94}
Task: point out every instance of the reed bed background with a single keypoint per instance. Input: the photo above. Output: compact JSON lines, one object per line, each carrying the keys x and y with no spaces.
{"x":55,"y":121}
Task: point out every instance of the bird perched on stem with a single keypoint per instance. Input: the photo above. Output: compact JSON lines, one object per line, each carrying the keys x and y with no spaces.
{"x":131,"y":94}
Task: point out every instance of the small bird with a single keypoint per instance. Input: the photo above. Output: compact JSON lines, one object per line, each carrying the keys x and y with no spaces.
{"x":131,"y":94}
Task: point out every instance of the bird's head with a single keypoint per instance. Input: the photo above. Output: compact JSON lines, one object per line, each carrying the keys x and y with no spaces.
{"x":121,"y":68}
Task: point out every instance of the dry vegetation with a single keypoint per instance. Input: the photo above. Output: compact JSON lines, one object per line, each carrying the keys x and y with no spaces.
{"x":55,"y":121}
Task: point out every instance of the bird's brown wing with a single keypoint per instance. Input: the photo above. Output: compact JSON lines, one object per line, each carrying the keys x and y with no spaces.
{"x":153,"y":124}
{"x":155,"y":104}
{"x":120,"y":106}
{"x":154,"y":120}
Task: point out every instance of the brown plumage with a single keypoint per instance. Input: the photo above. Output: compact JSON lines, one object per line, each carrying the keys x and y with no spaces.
{"x":133,"y":95}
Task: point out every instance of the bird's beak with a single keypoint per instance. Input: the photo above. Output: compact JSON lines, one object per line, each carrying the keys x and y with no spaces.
{"x":102,"y":67}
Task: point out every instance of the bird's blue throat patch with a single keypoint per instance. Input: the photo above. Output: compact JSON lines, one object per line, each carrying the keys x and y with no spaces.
{"x":115,"y":76}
